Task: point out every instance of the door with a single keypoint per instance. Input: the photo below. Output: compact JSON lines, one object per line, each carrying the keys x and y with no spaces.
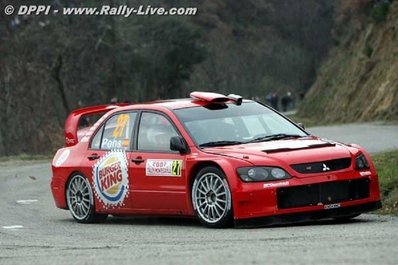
{"x":157,"y":173}
{"x":106,"y":162}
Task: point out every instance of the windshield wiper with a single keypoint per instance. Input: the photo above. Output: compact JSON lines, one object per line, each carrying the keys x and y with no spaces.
{"x":219,"y":143}
{"x":273,"y":137}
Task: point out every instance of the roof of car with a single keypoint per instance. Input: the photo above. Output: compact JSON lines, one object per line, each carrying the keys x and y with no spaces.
{"x":197,"y":99}
{"x":178,"y":103}
{"x":175,"y":103}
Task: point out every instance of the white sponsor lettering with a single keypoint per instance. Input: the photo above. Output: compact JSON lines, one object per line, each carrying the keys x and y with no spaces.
{"x":111,"y":143}
{"x":332,"y":206}
{"x":276,"y":184}
{"x":365,"y":173}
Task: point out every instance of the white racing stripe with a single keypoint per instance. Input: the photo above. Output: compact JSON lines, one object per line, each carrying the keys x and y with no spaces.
{"x":26,"y":201}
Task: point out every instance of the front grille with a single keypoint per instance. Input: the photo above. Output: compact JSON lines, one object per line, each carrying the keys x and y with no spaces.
{"x":325,"y":193}
{"x":323,"y":166}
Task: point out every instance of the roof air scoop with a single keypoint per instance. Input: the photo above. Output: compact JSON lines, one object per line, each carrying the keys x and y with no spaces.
{"x":215,"y":97}
{"x":236,"y":98}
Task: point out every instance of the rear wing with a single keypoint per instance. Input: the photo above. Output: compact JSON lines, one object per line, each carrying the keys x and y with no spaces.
{"x":74,"y":119}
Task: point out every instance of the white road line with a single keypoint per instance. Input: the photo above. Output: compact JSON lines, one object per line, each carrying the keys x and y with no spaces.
{"x":26,"y":201}
{"x":13,"y":226}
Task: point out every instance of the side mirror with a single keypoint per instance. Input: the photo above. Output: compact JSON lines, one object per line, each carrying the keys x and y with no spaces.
{"x":301,"y":125}
{"x":177,"y":143}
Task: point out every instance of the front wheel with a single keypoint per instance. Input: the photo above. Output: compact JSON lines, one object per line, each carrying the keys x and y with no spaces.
{"x":80,"y":200}
{"x":211,"y":198}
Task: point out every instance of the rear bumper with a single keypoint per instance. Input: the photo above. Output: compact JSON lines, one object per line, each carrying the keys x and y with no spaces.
{"x":307,"y":216}
{"x":58,"y":192}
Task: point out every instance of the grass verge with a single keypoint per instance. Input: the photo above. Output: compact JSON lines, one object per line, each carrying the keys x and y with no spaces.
{"x":386,"y":164}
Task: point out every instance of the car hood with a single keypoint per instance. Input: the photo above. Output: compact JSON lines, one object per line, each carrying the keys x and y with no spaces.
{"x":286,"y":152}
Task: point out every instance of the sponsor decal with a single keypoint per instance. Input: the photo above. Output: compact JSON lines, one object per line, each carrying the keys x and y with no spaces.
{"x":111,"y":143}
{"x":110,"y":178}
{"x":365,"y":173}
{"x":125,"y":143}
{"x":276,"y":184}
{"x":115,"y":144}
{"x":62,"y":158}
{"x":163,"y":167}
{"x":120,"y":125}
{"x":69,"y":140}
{"x":331,"y":206}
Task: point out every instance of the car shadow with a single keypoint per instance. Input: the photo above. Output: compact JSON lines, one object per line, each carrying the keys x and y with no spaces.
{"x":192,"y":222}
{"x":145,"y":220}
{"x":322,"y":222}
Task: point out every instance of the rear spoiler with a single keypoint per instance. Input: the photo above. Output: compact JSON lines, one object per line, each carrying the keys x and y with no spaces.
{"x":73,"y":120}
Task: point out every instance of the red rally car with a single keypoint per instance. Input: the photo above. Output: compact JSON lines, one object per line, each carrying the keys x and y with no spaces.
{"x":220,"y":158}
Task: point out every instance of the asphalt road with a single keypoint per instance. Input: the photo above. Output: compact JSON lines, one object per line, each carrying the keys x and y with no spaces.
{"x":374,"y":136}
{"x":33,"y":231}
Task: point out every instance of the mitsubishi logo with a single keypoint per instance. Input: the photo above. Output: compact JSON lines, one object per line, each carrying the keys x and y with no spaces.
{"x":325,"y":167}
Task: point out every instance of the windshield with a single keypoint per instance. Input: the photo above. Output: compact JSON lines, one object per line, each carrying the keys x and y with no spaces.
{"x":218,"y":125}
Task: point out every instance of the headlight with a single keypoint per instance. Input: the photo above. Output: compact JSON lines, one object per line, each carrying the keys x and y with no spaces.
{"x":361,"y":162}
{"x":256,"y":174}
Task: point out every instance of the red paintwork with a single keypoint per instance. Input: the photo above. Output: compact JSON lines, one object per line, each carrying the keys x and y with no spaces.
{"x":171,"y":196}
{"x":72,"y":121}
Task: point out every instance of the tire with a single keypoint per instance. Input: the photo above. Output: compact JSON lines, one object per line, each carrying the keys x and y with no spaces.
{"x":80,"y":200}
{"x":211,"y":198}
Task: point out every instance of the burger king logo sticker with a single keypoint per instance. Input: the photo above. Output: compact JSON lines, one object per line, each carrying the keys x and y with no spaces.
{"x":110,"y":179}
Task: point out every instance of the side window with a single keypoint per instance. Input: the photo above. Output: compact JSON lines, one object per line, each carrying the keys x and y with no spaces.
{"x":155,"y":132}
{"x":116,"y":134}
{"x":96,"y":142}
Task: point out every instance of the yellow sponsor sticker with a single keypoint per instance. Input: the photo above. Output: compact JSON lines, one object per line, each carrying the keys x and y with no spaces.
{"x":120,"y":125}
{"x":176,"y":168}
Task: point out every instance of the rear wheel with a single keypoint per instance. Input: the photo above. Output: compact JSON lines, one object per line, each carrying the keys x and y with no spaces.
{"x":211,"y":198}
{"x":80,"y":200}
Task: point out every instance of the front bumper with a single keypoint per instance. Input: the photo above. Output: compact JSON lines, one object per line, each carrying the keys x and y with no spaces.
{"x":307,"y":216}
{"x":304,"y":195}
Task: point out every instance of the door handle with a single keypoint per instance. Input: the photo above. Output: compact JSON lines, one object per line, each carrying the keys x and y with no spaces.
{"x":137,"y":160}
{"x":93,"y":157}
